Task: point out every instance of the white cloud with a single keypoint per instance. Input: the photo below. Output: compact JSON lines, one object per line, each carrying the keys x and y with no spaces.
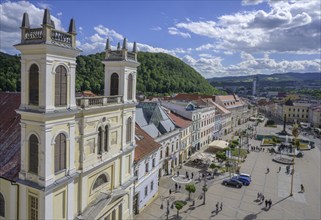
{"x":251,"y":2}
{"x":11,"y":18}
{"x":210,"y":66}
{"x":175,"y":31}
{"x":59,"y":14}
{"x":100,"y":29}
{"x":156,"y":28}
{"x":287,"y":27}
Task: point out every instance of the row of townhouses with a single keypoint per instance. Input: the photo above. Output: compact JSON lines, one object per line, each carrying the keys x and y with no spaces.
{"x":94,"y":157}
{"x":294,"y":111}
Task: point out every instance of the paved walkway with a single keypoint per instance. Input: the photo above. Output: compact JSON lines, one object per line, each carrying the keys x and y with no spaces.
{"x":241,"y":203}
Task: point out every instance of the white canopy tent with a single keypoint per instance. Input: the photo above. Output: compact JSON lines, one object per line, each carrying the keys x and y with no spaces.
{"x":219,"y":144}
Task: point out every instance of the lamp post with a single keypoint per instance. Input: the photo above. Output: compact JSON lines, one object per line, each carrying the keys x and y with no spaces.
{"x":295,"y":133}
{"x":204,"y":188}
{"x":168,"y":199}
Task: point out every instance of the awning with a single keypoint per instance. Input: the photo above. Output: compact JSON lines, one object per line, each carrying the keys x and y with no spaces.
{"x":219,"y":144}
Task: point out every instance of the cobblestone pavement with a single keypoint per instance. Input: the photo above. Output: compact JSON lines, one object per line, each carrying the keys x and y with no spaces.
{"x":241,"y":203}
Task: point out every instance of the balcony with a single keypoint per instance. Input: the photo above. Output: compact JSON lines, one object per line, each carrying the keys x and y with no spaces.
{"x":89,"y":102}
{"x":47,"y":35}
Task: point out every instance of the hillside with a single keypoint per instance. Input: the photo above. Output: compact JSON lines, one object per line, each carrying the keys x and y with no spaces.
{"x":275,"y":77}
{"x":158,"y":73}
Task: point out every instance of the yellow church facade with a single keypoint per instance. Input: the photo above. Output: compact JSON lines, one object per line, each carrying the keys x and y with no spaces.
{"x":76,"y":155}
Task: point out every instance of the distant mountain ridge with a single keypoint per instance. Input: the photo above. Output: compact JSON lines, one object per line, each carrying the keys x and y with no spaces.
{"x":275,"y":77}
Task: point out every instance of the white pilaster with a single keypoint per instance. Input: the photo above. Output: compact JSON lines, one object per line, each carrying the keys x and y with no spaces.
{"x":24,"y":75}
{"x":46,"y":206}
{"x":23,"y":152}
{"x":70,"y":201}
{"x":45,"y":160}
{"x":72,"y":96}
{"x":72,"y":168}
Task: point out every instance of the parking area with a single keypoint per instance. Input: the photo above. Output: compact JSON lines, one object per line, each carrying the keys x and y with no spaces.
{"x":242,"y":203}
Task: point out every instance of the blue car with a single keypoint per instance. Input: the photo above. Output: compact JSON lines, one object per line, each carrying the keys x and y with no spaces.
{"x":232,"y":182}
{"x":244,"y":180}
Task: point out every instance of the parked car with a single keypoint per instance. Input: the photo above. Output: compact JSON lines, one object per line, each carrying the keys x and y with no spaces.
{"x":232,"y":182}
{"x":246,"y":175}
{"x":244,"y":180}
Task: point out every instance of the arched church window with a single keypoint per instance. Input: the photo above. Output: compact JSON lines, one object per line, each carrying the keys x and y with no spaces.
{"x":2,"y":206}
{"x":99,"y":142}
{"x":101,"y":179}
{"x":114,"y":84}
{"x":34,"y":85}
{"x":128,"y":130}
{"x":130,"y":87}
{"x":33,"y":154}
{"x":60,"y":152}
{"x":61,"y":86}
{"x":106,"y":137}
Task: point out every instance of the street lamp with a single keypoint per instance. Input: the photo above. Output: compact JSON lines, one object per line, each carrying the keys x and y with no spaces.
{"x":168,"y":199}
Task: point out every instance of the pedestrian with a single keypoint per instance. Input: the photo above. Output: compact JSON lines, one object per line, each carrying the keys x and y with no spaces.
{"x":186,"y":174}
{"x":270,"y":203}
{"x":171,"y":171}
{"x":302,"y":188}
{"x":177,"y":173}
{"x":176,"y":186}
{"x":221,"y":207}
{"x":179,"y":187}
{"x":170,"y":191}
{"x":258,"y":195}
{"x":216,"y":207}
{"x":267,"y":170}
{"x":266,"y":203}
{"x":262,"y":197}
{"x":279,"y":169}
{"x":192,"y":175}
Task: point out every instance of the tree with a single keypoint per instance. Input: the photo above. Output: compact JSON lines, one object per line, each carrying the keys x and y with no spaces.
{"x":221,"y":155}
{"x":190,"y":188}
{"x":179,"y":205}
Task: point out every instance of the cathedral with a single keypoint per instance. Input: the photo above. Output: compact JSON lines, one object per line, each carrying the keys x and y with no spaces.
{"x":75,"y":154}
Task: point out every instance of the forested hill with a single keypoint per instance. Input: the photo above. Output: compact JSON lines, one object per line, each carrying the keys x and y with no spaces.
{"x":158,"y":73}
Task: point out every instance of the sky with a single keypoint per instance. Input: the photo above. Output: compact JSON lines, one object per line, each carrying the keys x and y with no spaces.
{"x":217,"y":38}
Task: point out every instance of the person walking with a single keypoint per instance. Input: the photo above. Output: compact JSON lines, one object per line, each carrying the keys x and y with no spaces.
{"x":192,"y":175}
{"x":262,"y":198}
{"x":176,"y":186}
{"x":221,"y":207}
{"x":302,"y":188}
{"x":170,"y":191}
{"x":270,"y":203}
{"x":216,"y":208}
{"x":279,"y":169}
{"x":266,"y":203}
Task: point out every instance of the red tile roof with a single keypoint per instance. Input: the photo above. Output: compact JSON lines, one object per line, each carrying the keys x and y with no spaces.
{"x":190,"y":97}
{"x":145,"y":144}
{"x":9,"y":135}
{"x":179,"y":121}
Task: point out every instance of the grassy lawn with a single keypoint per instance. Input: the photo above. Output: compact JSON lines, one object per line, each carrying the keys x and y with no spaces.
{"x":303,"y":146}
{"x":271,"y":126}
{"x":270,"y":141}
{"x":235,"y":152}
